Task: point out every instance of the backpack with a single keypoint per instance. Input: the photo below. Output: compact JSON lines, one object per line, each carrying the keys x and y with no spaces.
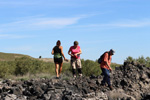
{"x":101,"y":58}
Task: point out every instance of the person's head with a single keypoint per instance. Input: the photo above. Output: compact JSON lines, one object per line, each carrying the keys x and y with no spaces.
{"x":76,"y":43}
{"x":58,"y":43}
{"x":111,"y":52}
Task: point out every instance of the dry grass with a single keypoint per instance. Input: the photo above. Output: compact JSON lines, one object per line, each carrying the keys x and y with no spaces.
{"x":10,"y":56}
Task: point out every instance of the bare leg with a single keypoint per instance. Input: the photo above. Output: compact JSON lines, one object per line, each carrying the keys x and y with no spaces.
{"x":60,"y":67}
{"x":56,"y":69}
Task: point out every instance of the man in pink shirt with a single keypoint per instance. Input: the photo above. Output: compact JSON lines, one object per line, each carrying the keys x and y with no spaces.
{"x":75,"y":52}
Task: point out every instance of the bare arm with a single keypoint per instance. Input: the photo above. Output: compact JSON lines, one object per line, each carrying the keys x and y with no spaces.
{"x":52,"y":51}
{"x":69,"y":53}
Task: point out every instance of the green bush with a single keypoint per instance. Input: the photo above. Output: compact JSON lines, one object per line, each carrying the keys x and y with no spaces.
{"x":23,"y":66}
{"x":31,"y":66}
{"x":6,"y":68}
{"x":147,"y":61}
{"x":26,"y":65}
{"x":90,"y":67}
{"x":114,"y":65}
{"x":140,"y":60}
{"x":129,"y":59}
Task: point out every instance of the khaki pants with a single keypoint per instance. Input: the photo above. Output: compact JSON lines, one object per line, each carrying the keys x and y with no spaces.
{"x":75,"y":63}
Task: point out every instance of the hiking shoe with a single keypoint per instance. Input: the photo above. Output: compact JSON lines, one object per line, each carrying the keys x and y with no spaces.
{"x":80,"y":75}
{"x":103,"y":84}
{"x":57,"y":77}
{"x":74,"y":76}
{"x":110,"y":87}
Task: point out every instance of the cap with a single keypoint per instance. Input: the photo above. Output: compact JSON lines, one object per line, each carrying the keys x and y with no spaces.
{"x":112,"y":51}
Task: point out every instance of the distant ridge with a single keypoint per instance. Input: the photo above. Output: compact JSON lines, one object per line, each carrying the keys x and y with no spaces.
{"x":10,"y":56}
{"x":13,"y":56}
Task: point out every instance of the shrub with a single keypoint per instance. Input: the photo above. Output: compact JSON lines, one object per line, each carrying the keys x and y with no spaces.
{"x":26,"y":65}
{"x":140,"y":60}
{"x":31,"y":66}
{"x":90,"y":67}
{"x":6,"y":68}
{"x":114,"y":65}
{"x":4,"y":71}
{"x":129,"y":59}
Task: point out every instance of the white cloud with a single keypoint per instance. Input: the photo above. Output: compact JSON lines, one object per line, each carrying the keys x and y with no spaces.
{"x":13,"y":36}
{"x":125,"y":24}
{"x":18,"y":49}
{"x":132,"y":23}
{"x":56,"y":22}
{"x":23,"y":48}
{"x":39,"y":23}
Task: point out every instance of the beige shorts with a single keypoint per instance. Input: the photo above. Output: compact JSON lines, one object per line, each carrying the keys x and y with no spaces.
{"x":75,"y":63}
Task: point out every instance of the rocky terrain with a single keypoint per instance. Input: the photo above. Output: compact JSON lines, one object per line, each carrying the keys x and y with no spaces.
{"x":131,"y":81}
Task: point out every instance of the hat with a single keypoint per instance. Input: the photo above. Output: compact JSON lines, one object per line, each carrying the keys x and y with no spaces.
{"x":76,"y":43}
{"x":112,"y":51}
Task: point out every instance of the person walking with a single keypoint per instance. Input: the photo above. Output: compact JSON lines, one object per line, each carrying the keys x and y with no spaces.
{"x":57,"y":51}
{"x":75,"y":52}
{"x":106,"y":68}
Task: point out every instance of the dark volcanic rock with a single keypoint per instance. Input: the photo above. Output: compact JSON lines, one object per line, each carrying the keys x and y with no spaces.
{"x":130,"y":81}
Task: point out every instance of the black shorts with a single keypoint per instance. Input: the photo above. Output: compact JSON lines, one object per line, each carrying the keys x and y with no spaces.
{"x":58,"y":60}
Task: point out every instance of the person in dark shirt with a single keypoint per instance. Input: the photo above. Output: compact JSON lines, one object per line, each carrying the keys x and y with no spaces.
{"x":57,"y":51}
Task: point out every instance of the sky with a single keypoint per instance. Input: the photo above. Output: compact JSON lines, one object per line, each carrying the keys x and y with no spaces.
{"x":32,"y":27}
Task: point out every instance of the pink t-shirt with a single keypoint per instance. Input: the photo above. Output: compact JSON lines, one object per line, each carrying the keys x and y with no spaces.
{"x":74,"y":51}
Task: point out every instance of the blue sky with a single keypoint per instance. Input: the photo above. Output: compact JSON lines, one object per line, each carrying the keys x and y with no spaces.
{"x":32,"y":27}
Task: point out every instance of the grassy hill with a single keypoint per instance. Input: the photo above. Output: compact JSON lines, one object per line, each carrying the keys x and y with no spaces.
{"x":13,"y":56}
{"x":10,"y":56}
{"x":14,"y":65}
